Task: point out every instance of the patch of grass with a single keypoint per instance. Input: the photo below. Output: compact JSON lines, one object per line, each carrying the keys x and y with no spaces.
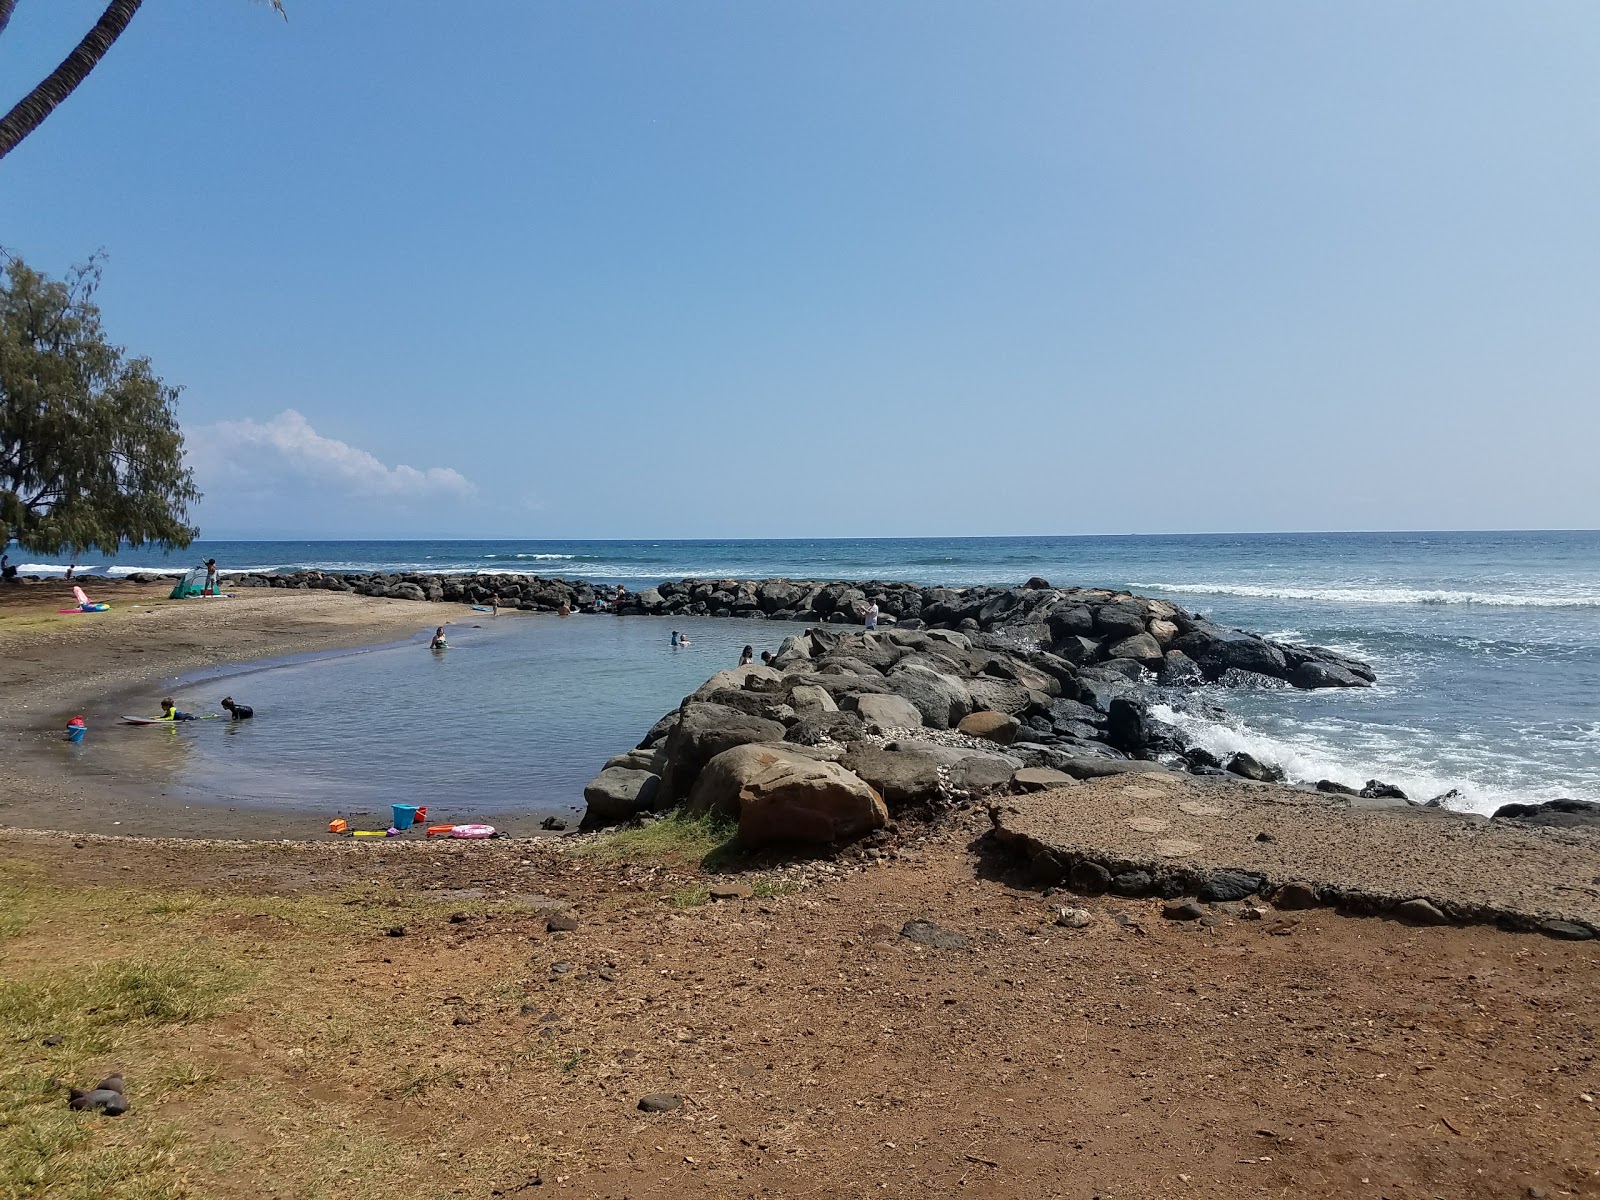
{"x":417,"y":1083}
{"x":765,"y":887}
{"x":678,"y":840}
{"x":83,"y":1007}
{"x":689,"y":897}
{"x":46,"y":1150}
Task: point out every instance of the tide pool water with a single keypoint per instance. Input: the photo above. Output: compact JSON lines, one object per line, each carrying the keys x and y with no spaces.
{"x":1487,"y":645}
{"x":516,"y":716}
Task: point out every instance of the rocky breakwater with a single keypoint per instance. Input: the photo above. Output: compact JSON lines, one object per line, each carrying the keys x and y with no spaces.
{"x":848,"y":728}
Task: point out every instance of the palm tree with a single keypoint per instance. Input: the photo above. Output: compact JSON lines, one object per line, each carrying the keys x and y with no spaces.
{"x":38,"y":104}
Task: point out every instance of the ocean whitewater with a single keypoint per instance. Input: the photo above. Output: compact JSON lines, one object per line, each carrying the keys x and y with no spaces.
{"x":1486,"y":645}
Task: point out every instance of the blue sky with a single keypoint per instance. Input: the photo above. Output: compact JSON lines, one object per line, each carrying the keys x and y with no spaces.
{"x":504,"y":268}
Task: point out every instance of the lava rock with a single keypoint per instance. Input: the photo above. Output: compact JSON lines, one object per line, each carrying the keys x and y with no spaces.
{"x":1182,"y":910}
{"x":660,"y":1102}
{"x":1226,"y":885}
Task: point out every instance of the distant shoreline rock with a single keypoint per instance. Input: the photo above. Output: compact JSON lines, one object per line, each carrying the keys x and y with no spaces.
{"x":1078,"y":627}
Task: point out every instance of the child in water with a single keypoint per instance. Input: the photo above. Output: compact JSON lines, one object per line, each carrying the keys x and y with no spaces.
{"x":239,"y":712}
{"x":171,"y":712}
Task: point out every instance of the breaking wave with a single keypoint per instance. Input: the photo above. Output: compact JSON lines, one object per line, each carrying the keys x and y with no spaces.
{"x":1379,"y":595}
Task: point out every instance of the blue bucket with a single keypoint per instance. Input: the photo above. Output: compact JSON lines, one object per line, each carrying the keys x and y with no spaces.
{"x":75,"y":732}
{"x":405,"y":815}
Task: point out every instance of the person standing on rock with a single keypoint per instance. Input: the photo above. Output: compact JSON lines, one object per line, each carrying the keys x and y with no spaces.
{"x":870,"y":617}
{"x":747,"y":656}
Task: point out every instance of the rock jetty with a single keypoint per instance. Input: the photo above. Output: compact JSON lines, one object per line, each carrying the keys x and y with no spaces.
{"x":1082,"y":627}
{"x":967,"y":691}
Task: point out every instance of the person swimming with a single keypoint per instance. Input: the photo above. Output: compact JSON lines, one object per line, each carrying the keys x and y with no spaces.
{"x":747,"y":656}
{"x":171,"y":712}
{"x":438,"y":642}
{"x":239,"y":712}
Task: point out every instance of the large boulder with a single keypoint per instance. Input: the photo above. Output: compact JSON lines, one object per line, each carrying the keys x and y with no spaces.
{"x":1116,"y":621}
{"x":702,"y":732}
{"x":900,"y":777}
{"x":1141,"y":648}
{"x":1315,"y":674}
{"x":780,"y":796}
{"x":808,"y":698}
{"x":764,"y":679}
{"x":991,"y":726}
{"x":1219,"y":650}
{"x":999,"y":695}
{"x":941,"y":699}
{"x":883,"y":713}
{"x":1561,"y":814}
{"x":618,"y":794}
{"x":816,"y":728}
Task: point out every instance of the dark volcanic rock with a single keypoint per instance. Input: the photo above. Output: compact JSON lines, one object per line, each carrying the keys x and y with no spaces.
{"x":1225,"y":885}
{"x":1378,"y":790}
{"x":1559,"y":814}
{"x":1088,"y":877}
{"x":660,"y":1102}
{"x":1326,"y":675}
{"x":1249,"y":767}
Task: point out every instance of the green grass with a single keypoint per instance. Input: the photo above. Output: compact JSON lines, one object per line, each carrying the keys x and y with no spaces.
{"x":48,"y":1150}
{"x":708,"y":841}
{"x":85,"y":1008}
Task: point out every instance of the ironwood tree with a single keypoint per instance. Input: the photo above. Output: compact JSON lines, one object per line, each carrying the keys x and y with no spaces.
{"x":91,"y":455}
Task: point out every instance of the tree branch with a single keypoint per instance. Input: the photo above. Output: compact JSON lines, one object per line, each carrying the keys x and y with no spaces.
{"x":38,"y":104}
{"x":5,"y":13}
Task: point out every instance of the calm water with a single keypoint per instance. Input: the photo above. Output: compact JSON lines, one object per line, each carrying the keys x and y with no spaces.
{"x":1487,"y":646}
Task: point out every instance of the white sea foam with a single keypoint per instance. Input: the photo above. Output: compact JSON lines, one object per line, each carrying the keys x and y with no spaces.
{"x":1410,"y":759}
{"x":1379,"y":595}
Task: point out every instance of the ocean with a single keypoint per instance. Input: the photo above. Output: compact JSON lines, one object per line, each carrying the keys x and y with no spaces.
{"x":1487,"y":645}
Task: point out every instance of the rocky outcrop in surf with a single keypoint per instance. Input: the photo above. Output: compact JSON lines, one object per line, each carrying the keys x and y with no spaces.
{"x":924,"y":717}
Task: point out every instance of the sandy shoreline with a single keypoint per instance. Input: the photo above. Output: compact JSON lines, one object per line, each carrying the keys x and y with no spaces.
{"x":56,"y":666}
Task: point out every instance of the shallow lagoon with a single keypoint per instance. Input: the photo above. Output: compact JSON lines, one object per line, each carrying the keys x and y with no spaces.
{"x":515,"y":717}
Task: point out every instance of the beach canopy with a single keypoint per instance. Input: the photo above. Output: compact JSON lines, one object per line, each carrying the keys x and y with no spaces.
{"x":193,"y":583}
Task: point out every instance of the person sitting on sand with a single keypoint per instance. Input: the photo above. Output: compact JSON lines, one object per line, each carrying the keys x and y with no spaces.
{"x":171,"y":712}
{"x":239,"y":712}
{"x":747,"y":656}
{"x":438,"y":642}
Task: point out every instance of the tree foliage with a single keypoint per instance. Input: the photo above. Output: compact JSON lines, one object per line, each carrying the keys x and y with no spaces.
{"x":91,"y":456}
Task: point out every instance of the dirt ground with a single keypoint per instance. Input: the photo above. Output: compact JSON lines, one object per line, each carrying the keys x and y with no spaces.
{"x":816,"y":1050}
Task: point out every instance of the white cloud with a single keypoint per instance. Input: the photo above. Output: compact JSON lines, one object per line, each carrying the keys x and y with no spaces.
{"x":286,"y":451}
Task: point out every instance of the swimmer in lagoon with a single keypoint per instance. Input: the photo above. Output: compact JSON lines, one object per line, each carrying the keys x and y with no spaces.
{"x":747,"y":656}
{"x":239,"y":712}
{"x":438,"y":642}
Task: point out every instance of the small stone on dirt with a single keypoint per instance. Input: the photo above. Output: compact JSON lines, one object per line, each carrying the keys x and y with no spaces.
{"x":1182,"y":910}
{"x":561,"y":923}
{"x":1420,"y":912}
{"x":1073,"y":918}
{"x":1295,"y":894}
{"x":926,"y":933}
{"x":458,"y":918}
{"x":395,"y":931}
{"x":730,"y":891}
{"x":560,"y":968}
{"x":660,"y":1102}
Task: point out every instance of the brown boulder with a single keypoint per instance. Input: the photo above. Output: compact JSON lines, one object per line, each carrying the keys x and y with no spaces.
{"x":992,"y":726}
{"x":780,"y":796}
